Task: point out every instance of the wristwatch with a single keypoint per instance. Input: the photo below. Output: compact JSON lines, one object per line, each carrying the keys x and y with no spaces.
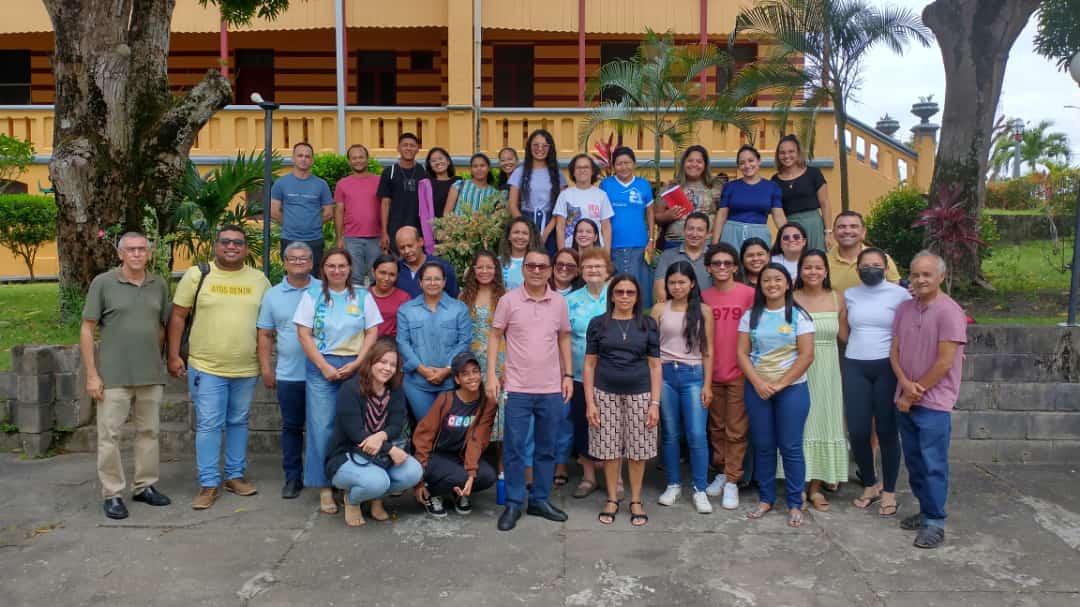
{"x":654,"y":403}
{"x":568,"y":375}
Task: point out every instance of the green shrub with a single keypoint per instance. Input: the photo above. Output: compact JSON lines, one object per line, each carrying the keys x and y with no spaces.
{"x":889,"y":226}
{"x":460,"y":236}
{"x":15,"y":156}
{"x":332,"y":167}
{"x":1012,"y":195}
{"x":26,"y":223}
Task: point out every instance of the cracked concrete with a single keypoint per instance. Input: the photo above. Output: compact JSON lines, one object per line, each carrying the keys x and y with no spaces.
{"x":1014,"y":540}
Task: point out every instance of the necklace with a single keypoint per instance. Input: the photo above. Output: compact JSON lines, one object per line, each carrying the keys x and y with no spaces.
{"x":623,"y":328}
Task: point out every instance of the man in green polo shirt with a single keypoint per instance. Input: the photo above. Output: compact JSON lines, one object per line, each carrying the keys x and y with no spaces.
{"x":129,"y":307}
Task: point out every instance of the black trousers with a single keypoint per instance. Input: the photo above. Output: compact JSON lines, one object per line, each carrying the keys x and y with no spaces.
{"x":444,"y":471}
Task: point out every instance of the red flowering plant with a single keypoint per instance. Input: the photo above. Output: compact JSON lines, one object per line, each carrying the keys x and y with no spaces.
{"x":602,"y":155}
{"x":950,"y":229}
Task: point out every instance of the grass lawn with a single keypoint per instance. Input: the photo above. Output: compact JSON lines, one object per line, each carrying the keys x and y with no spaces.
{"x":30,"y":316}
{"x":1014,"y":212}
{"x":1029,"y":267}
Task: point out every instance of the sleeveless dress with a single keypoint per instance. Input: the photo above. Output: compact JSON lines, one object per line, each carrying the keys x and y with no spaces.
{"x":824,"y":443}
{"x":481,"y":317}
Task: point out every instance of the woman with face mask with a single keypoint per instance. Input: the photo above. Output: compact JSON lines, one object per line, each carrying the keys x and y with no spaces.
{"x":869,"y":383}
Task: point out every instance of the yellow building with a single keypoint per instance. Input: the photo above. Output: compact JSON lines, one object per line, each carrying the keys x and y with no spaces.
{"x":461,"y":74}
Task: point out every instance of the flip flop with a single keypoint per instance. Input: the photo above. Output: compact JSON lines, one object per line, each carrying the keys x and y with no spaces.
{"x":887,"y":510}
{"x":758,"y":512}
{"x":795,"y":518}
{"x":862,"y":503}
{"x":584,"y":489}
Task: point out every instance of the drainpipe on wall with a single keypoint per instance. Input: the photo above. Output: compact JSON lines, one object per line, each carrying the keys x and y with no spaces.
{"x":339,"y":55}
{"x":581,"y":53}
{"x":478,"y":83}
{"x":224,"y":48}
{"x":704,"y":40}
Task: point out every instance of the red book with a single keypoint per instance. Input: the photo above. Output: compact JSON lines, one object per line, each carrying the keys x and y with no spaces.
{"x":676,"y":197}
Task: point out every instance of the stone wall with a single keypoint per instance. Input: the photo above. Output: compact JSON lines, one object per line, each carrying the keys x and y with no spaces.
{"x":1023,"y":228}
{"x":1019,"y":401}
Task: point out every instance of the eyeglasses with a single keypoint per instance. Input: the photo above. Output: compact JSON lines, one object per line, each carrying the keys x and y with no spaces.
{"x":791,"y":237}
{"x":566,"y":267}
{"x":297,"y":259}
{"x":593,"y":267}
{"x":337,"y":267}
{"x":625,"y":292}
{"x":724,"y":263}
{"x":539,"y":145}
{"x":537,"y":267}
{"x":236,"y":242}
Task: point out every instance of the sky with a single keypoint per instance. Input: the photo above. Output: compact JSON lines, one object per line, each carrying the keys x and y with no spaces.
{"x":1034,"y":88}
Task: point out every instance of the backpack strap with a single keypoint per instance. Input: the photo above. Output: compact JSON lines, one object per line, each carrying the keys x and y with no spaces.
{"x":204,"y":270}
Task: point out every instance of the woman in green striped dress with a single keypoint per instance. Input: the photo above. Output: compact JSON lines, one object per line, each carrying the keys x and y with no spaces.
{"x":824,"y":444}
{"x":468,"y":195}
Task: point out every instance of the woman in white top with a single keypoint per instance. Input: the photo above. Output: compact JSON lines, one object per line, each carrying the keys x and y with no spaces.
{"x":582,"y":200}
{"x":788,"y":247}
{"x":869,"y":381}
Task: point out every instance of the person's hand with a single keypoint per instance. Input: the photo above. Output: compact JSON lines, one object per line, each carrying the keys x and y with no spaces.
{"x":918,"y":390}
{"x":679,"y":212}
{"x":269,"y":379}
{"x":903,"y":404}
{"x":466,"y":490}
{"x":706,"y":394}
{"x":764,"y":389}
{"x":176,"y":366}
{"x":329,"y":372}
{"x":653,"y":418}
{"x":592,"y":415}
{"x":384,"y":242}
{"x":492,"y":388}
{"x":373,"y":443}
{"x":567,"y":389}
{"x":421,"y":493}
{"x":95,"y":388}
{"x":398,"y":456}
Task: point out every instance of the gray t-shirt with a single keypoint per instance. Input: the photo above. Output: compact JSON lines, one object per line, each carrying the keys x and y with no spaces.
{"x":670,"y":256}
{"x":130,"y":318}
{"x":302,"y":201}
{"x":540,"y":197}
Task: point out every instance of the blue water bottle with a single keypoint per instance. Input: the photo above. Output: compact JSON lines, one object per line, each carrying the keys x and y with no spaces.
{"x":500,"y":490}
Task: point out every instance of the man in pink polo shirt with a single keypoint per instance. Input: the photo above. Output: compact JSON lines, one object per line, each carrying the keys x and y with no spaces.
{"x":929,"y":333}
{"x":539,"y":382}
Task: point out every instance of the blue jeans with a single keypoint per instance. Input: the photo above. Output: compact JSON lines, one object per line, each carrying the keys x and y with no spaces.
{"x":681,"y":412}
{"x":737,"y":232}
{"x":778,"y":423}
{"x":221,"y":406}
{"x":631,"y":260}
{"x":321,"y":407}
{"x":292,"y":400}
{"x":925,"y":435}
{"x":419,"y":399}
{"x":545,"y":412}
{"x":363,"y":481}
{"x":564,"y":439}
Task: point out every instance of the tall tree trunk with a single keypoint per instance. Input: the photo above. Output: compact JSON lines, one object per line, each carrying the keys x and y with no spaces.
{"x":121,"y":137}
{"x":840,"y":111}
{"x":975,"y":37}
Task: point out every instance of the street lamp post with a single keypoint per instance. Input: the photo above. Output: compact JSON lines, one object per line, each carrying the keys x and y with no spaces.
{"x":268,"y":173}
{"x":1018,"y":137}
{"x":1074,"y":284}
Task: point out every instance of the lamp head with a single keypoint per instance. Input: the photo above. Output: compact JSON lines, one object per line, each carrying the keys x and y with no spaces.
{"x":257,"y":99}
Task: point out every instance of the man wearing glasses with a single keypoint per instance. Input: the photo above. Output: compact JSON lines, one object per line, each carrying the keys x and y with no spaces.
{"x":692,"y":251}
{"x":130,"y":307}
{"x":276,"y":326}
{"x":534,"y":320}
{"x":222,"y":366}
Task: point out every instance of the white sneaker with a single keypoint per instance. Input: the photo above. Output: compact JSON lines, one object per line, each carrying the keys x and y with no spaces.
{"x":731,"y":496}
{"x":670,"y":495}
{"x":701,"y":502}
{"x":716,"y":487}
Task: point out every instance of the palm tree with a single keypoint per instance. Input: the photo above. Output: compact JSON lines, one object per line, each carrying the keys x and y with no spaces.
{"x":831,"y":38}
{"x":1038,"y":148}
{"x":659,"y":91}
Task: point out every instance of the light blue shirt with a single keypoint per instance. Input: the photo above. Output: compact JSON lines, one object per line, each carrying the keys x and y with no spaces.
{"x":514,"y":274}
{"x":431,"y":338}
{"x":276,"y":314}
{"x":338,"y":325}
{"x":582,"y":307}
{"x":302,"y":201}
{"x":629,"y":202}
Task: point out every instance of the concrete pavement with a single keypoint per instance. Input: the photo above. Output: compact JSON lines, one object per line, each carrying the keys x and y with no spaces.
{"x":1014,"y":539}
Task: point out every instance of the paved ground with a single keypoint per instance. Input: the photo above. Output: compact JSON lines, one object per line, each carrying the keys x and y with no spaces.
{"x":1014,"y":539}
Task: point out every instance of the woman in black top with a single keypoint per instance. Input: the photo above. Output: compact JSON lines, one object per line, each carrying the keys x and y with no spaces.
{"x":805,"y":194}
{"x":363,"y":459}
{"x":622,"y":379}
{"x":441,"y":172}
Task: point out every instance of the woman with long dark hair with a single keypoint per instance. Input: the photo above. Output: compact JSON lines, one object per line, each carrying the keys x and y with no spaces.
{"x":753,"y":257}
{"x":466,"y":196}
{"x":384,"y":273}
{"x":566,"y":271}
{"x":508,"y":161}
{"x":824,"y":443}
{"x":366,"y":458}
{"x":535,"y":185}
{"x":586,"y":235}
{"x":686,"y":326}
{"x":442,"y":175}
{"x":519,"y":238}
{"x":693,"y":176}
{"x":483,"y":288}
{"x":788,"y":247}
{"x":747,"y":203}
{"x":336,"y":324}
{"x":622,"y":378}
{"x":776,"y":346}
{"x":804,"y":194}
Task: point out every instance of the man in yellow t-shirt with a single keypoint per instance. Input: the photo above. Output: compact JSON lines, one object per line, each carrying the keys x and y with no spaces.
{"x":222,"y":364}
{"x":850,"y":233}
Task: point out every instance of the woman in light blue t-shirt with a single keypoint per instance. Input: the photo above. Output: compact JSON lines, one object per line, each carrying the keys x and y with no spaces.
{"x":336,"y":324}
{"x":776,"y":346}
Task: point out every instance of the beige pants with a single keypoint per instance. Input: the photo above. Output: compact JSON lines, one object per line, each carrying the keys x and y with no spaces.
{"x":111,"y":415}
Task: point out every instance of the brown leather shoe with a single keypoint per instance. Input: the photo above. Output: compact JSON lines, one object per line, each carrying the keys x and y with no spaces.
{"x":241,"y":487}
{"x":206,"y":498}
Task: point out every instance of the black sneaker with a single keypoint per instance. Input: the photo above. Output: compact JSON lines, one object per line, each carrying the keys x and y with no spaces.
{"x":463,"y":505}
{"x":434,"y":507}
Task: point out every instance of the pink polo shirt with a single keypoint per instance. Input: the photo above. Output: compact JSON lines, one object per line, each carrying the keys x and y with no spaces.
{"x":532,"y":328}
{"x":917,"y":331}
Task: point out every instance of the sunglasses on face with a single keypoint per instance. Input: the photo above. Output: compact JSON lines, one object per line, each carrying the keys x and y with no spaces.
{"x":625,"y":292}
{"x":791,"y":237}
{"x":565,"y":267}
{"x":537,"y":267}
{"x":236,"y":242}
{"x":722,"y":264}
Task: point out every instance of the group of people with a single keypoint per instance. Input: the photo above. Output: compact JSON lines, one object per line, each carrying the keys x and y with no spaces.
{"x":392,"y":376}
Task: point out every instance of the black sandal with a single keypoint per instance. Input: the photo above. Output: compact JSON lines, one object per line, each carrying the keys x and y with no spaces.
{"x":608,"y":518}
{"x":634,"y":518}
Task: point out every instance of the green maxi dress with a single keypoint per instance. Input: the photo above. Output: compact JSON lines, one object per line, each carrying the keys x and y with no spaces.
{"x":824,"y":443}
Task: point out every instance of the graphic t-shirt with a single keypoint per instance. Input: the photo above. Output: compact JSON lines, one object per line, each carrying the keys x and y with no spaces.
{"x":302,"y":201}
{"x":358,"y":194}
{"x":338,"y":325}
{"x":628,"y":201}
{"x":456,"y":425}
{"x":704,"y":199}
{"x":575,"y":204}
{"x":727,"y":309}
{"x":773,"y":347}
